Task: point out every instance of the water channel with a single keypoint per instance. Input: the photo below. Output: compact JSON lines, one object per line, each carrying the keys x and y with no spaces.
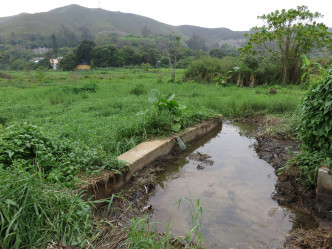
{"x":234,"y":187}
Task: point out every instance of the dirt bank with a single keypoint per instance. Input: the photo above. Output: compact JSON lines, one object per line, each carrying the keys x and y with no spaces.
{"x":290,"y":193}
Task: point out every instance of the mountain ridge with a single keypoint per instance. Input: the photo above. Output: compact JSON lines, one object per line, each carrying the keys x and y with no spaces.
{"x":100,"y":21}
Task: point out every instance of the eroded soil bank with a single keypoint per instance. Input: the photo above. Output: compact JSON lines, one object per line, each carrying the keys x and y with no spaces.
{"x":290,"y":193}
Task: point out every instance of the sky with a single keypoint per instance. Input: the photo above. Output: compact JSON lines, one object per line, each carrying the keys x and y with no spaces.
{"x":232,"y":14}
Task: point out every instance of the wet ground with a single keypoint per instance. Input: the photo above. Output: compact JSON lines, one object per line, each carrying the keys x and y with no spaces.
{"x":234,"y":187}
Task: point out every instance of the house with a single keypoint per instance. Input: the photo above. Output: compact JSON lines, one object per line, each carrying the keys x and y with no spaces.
{"x":54,"y":62}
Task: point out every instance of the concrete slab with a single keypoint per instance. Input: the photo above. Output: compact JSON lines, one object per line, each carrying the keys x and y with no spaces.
{"x":141,"y":156}
{"x":324,"y":181}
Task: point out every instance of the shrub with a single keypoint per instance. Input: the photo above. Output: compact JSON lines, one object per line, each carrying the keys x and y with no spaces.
{"x":60,"y":159}
{"x":91,"y":88}
{"x":315,"y":130}
{"x":138,"y":90}
{"x":207,"y":69}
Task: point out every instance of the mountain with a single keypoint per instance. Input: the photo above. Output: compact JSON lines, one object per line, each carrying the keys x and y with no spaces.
{"x":100,"y":22}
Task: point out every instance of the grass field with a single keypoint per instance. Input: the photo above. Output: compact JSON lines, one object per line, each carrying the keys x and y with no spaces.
{"x":107,"y":118}
{"x":86,"y":117}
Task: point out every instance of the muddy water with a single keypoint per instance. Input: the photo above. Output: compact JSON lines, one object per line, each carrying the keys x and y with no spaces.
{"x":234,"y":187}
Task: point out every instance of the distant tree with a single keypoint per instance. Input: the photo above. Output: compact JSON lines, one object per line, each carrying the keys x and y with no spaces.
{"x":286,"y":35}
{"x":169,"y":46}
{"x":196,"y":42}
{"x":217,"y":53}
{"x":54,"y":45}
{"x":67,"y":38}
{"x":84,"y":51}
{"x":101,"y":56}
{"x":145,"y":31}
{"x":69,"y":62}
{"x":130,"y":55}
{"x":64,"y":51}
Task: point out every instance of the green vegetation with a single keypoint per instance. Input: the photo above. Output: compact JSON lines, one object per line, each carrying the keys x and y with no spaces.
{"x":33,"y":213}
{"x":60,"y":159}
{"x":286,"y":36}
{"x":57,"y":127}
{"x":208,"y":69}
{"x":315,"y":130}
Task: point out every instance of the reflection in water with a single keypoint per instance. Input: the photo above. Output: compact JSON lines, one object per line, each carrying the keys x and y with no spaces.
{"x":235,"y":192}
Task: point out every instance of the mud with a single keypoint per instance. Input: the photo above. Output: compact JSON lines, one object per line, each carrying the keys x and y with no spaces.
{"x":290,"y":193}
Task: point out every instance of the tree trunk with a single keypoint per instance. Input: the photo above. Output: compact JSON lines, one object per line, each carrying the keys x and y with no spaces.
{"x":238,"y":80}
{"x":286,"y":71}
{"x":252,"y":80}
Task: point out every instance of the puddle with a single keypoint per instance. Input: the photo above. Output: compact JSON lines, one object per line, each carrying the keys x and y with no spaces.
{"x":234,"y":187}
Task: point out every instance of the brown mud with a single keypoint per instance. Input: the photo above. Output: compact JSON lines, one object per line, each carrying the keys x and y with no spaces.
{"x":288,"y":192}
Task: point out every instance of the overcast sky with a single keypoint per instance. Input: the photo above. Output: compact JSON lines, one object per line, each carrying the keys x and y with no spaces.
{"x":233,"y":14}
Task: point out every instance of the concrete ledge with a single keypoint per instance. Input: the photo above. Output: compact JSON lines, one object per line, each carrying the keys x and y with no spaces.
{"x":324,"y":181}
{"x":140,"y":156}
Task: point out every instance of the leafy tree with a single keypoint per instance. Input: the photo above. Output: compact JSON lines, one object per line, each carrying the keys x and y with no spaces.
{"x":101,"y":56}
{"x":69,"y":62}
{"x":286,"y":35}
{"x":169,"y":46}
{"x":130,"y":55}
{"x":196,"y":42}
{"x":84,"y":51}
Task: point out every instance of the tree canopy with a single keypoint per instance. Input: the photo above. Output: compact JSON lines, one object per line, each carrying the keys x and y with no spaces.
{"x":286,"y":35}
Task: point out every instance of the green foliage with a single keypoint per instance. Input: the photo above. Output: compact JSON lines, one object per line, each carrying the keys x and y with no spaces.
{"x":138,"y":90}
{"x":34,"y":213}
{"x":308,"y":69}
{"x":69,"y":62}
{"x":196,"y":42}
{"x":142,"y":235}
{"x":287,"y":35}
{"x":315,"y":130}
{"x":207,"y":69}
{"x":146,"y":66}
{"x":59,"y":158}
{"x":196,"y":211}
{"x":91,"y":88}
{"x":84,"y":51}
{"x":166,"y":106}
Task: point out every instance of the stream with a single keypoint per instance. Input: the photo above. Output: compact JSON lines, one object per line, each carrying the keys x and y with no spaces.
{"x":234,"y":188}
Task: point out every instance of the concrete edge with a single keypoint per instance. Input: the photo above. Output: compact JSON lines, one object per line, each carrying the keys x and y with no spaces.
{"x":140,"y":156}
{"x":324,"y":181}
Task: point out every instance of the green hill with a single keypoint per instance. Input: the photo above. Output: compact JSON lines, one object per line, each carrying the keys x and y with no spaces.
{"x":99,"y":22}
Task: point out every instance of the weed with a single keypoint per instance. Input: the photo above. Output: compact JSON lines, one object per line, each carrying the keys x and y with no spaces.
{"x":166,"y":105}
{"x":60,"y":159}
{"x":91,"y":88}
{"x":138,"y":90}
{"x":34,"y":213}
{"x":196,"y":213}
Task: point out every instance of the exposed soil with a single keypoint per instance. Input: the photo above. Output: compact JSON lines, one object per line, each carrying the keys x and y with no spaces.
{"x":290,"y":193}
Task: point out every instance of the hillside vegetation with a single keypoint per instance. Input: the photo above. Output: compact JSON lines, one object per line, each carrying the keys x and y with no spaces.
{"x":99,"y":22}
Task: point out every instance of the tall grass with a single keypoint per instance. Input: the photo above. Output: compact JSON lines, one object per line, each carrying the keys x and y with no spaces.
{"x":34,"y":213}
{"x":107,"y":118}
